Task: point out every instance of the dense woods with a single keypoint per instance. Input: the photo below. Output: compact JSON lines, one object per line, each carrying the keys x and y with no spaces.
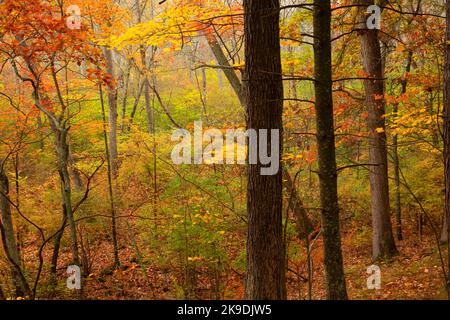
{"x":224,"y":149}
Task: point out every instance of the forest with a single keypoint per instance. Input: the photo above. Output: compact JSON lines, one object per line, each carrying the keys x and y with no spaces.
{"x":224,"y":149}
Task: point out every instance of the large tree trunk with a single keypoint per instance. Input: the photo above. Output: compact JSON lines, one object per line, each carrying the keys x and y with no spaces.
{"x":383,"y":239}
{"x":334,"y":268}
{"x":8,"y":238}
{"x":447,"y":126}
{"x":265,"y":277}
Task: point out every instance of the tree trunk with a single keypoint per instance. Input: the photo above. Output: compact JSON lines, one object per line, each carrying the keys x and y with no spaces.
{"x":220,"y":78}
{"x":126,"y":87}
{"x":77,"y":180}
{"x":147,"y":96}
{"x":112,"y":104}
{"x":334,"y":267}
{"x":19,"y":236}
{"x":143,"y":53}
{"x":398,"y":199}
{"x":62,"y":149}
{"x":204,"y":86}
{"x":383,"y":239}
{"x":8,"y":238}
{"x":228,"y":70}
{"x":396,"y":160}
{"x":292,"y":83}
{"x":265,"y":277}
{"x":444,"y":233}
{"x":136,"y":104}
{"x":303,"y":223}
{"x":56,"y":247}
{"x":110,"y":186}
{"x":447,"y":126}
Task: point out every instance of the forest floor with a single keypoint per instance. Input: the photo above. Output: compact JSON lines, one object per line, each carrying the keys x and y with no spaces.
{"x":415,"y":273}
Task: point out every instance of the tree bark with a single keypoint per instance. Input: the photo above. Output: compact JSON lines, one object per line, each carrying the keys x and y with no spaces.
{"x":265,"y":277}
{"x":8,"y":237}
{"x":447,"y":125}
{"x":334,"y":267}
{"x":383,"y":240}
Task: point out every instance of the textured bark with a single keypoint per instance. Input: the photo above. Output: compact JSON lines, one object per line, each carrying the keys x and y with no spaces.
{"x":447,"y":125}
{"x":265,"y":277}
{"x":334,"y":268}
{"x":383,"y":244}
{"x":8,"y":238}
